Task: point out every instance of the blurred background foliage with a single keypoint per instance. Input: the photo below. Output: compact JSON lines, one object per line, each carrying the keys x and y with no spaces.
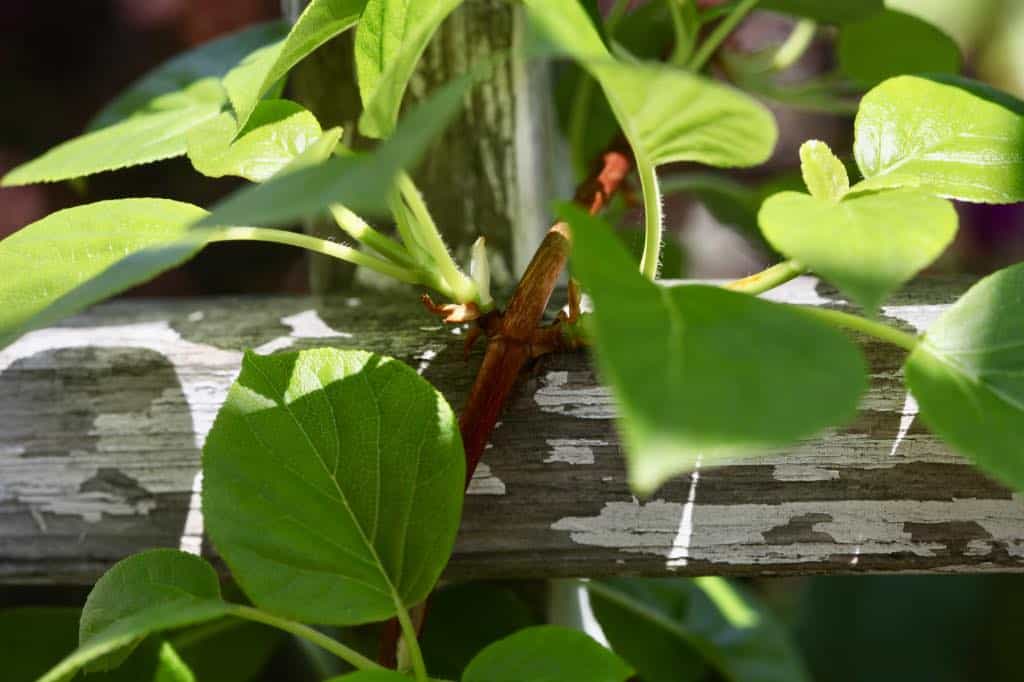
{"x":59,"y":67}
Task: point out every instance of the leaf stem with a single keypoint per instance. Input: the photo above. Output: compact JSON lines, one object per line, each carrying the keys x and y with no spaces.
{"x":718,"y":36}
{"x":882,"y":332}
{"x":652,"y":218}
{"x":795,"y":45}
{"x":766,"y":280}
{"x":411,"y":638}
{"x":328,"y":248}
{"x":426,"y":229}
{"x":350,"y":656}
{"x":358,"y":229}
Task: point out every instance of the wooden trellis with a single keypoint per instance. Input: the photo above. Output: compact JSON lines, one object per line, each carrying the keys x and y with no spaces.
{"x":102,"y":420}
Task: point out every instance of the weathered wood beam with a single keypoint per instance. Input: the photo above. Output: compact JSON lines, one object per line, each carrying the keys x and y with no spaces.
{"x":102,"y":420}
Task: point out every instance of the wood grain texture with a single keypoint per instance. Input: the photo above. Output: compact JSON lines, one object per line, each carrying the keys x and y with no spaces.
{"x":491,"y":171}
{"x":102,"y":420}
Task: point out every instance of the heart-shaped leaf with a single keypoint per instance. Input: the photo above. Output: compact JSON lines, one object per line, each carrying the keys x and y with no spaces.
{"x":867,"y":244}
{"x":546,"y":653}
{"x":144,"y":594}
{"x":277,"y":133}
{"x":968,"y":375}
{"x":361,"y":183}
{"x":702,"y":374}
{"x":668,"y":628}
{"x":389,"y":41}
{"x":826,"y":11}
{"x":165,"y":87}
{"x":333,"y":484}
{"x":912,"y":45}
{"x":64,"y":261}
{"x":962,"y":142}
{"x":319,"y":22}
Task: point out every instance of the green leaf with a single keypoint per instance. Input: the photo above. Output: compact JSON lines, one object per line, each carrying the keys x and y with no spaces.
{"x":824,"y":174}
{"x":43,"y":636}
{"x":144,"y":594}
{"x":826,"y":11}
{"x":229,"y":650}
{"x":673,"y":630}
{"x":319,"y":22}
{"x":372,"y":676}
{"x":389,"y":42}
{"x":278,"y":132}
{"x":64,"y":261}
{"x":643,"y":622}
{"x":699,"y":372}
{"x":361,"y":183}
{"x":140,"y":139}
{"x":912,"y":45}
{"x":333,"y":484}
{"x":458,"y":628}
{"x":165,"y":87}
{"x":547,"y":653}
{"x":968,"y":375}
{"x":957,"y":142}
{"x":867,"y":244}
{"x":667,"y":114}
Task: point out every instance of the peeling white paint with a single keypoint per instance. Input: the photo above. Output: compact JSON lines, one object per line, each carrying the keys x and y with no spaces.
{"x":679,"y":554}
{"x":425,"y":358}
{"x":192,"y":534}
{"x":800,"y":472}
{"x":734,"y":534}
{"x":907,"y":416}
{"x":484,"y":482}
{"x":573,"y":451}
{"x":59,"y":491}
{"x":590,"y":402}
{"x":304,"y":325}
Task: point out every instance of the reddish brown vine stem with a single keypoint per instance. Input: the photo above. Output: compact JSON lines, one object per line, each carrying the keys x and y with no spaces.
{"x":514,"y":336}
{"x":510,"y":341}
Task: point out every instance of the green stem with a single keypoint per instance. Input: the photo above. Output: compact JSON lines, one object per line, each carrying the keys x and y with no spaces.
{"x":350,"y":656}
{"x":652,"y":219}
{"x":795,"y":45}
{"x":882,"y":332}
{"x":766,"y":280}
{"x":578,"y":121}
{"x":328,"y":248}
{"x":411,"y":639}
{"x":721,"y":32}
{"x":430,"y":237}
{"x":358,"y":229}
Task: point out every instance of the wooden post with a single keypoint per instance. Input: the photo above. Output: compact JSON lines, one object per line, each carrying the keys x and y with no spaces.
{"x":490,"y":174}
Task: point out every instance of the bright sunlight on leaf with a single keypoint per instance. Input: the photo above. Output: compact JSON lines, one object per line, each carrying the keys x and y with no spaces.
{"x":361,"y":183}
{"x":389,"y":41}
{"x":968,"y":375}
{"x":333,"y":484}
{"x":320,"y":21}
{"x":278,"y":132}
{"x":961,"y":142}
{"x":700,"y":373}
{"x":866,"y":244}
{"x":62,"y":260}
